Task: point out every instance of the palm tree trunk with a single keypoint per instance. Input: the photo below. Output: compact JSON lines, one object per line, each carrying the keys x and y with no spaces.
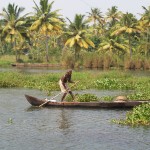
{"x":148,"y":41}
{"x":130,"y":47}
{"x":14,"y":46}
{"x":75,"y":54}
{"x":94,"y":26}
{"x":77,"y":49}
{"x":47,"y":58}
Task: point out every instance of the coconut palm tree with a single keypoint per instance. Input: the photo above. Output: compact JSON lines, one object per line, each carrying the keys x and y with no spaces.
{"x":96,"y":16}
{"x":77,"y":35}
{"x":145,"y":24}
{"x":129,"y":27}
{"x":112,"y":46}
{"x":146,"y":16}
{"x":14,"y":26}
{"x":46,"y":21}
{"x":113,"y":16}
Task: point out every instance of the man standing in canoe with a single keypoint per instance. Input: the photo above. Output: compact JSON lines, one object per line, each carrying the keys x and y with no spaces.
{"x":63,"y":84}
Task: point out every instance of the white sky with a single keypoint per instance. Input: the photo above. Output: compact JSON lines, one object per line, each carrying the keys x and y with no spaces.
{"x":68,"y":8}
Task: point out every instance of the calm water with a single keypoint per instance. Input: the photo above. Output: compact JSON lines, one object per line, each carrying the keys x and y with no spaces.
{"x":57,"y":70}
{"x":23,"y":127}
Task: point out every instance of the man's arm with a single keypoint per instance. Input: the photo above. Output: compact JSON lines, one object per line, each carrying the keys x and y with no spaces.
{"x":69,"y":79}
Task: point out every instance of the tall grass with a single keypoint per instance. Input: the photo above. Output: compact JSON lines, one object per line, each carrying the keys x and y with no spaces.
{"x":137,"y":62}
{"x":86,"y":60}
{"x":68,"y":59}
{"x":146,"y":64}
{"x":96,"y":60}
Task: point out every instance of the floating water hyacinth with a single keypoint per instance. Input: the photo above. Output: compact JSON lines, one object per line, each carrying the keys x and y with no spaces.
{"x":10,"y":120}
{"x":140,"y":115}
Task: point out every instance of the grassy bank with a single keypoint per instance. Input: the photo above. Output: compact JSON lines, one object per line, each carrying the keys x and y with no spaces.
{"x":7,"y":60}
{"x":111,"y":80}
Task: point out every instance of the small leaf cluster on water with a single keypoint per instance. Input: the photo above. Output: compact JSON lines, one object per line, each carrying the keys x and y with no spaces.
{"x":10,"y":121}
{"x":140,"y":115}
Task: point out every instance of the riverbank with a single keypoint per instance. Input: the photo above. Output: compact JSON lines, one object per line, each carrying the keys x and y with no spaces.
{"x":86,"y":62}
{"x":36,"y":65}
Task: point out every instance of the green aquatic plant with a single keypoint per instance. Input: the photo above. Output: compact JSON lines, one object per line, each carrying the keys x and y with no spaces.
{"x":83,"y":98}
{"x":87,"y":98}
{"x":141,"y":95}
{"x":109,"y":83}
{"x":106,"y":98}
{"x":140,"y":115}
{"x":10,"y":121}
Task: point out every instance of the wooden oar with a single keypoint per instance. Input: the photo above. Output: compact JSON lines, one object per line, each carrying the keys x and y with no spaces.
{"x":56,"y":96}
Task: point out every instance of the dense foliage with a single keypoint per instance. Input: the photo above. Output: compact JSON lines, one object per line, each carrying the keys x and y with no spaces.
{"x":140,"y":115}
{"x":114,"y":39}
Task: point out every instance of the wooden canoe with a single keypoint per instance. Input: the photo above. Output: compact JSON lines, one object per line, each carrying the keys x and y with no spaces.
{"x":119,"y":104}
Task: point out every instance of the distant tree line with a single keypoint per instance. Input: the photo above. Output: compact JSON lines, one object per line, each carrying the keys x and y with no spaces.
{"x":117,"y":36}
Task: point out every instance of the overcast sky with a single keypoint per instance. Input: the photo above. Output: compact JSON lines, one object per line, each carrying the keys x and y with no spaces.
{"x":68,"y":8}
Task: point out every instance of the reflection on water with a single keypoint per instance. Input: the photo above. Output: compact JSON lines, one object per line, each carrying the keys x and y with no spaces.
{"x":32,"y":70}
{"x":64,"y":120}
{"x":34,"y":128}
{"x":33,"y":108}
{"x":139,"y":73}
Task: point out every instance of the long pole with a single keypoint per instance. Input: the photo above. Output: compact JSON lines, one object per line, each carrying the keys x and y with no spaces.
{"x":49,"y":100}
